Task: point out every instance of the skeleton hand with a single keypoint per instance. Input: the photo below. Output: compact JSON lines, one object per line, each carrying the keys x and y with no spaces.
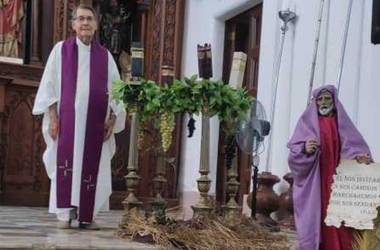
{"x":364,"y":158}
{"x":311,"y":146}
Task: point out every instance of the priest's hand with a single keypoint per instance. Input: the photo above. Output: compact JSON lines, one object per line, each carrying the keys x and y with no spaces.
{"x":108,"y":128}
{"x":54,"y":121}
{"x":364,"y":158}
{"x":53,"y":128}
{"x":311,"y":146}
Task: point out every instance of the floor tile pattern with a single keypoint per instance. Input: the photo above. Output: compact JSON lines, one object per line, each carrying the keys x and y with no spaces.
{"x":34,"y":228}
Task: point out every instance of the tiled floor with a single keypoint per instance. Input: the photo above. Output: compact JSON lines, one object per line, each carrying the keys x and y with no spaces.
{"x":33,"y":228}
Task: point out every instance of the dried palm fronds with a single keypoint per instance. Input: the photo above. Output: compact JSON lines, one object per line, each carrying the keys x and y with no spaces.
{"x":366,"y":240}
{"x":202,"y":234}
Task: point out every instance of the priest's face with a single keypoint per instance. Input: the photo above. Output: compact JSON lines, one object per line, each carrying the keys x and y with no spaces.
{"x":85,"y":25}
{"x":325,"y":103}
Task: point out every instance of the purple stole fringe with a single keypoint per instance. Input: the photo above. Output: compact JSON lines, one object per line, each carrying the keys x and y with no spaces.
{"x":96,"y":114}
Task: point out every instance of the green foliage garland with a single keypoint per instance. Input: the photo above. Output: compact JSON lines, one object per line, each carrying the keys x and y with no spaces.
{"x":160,"y":103}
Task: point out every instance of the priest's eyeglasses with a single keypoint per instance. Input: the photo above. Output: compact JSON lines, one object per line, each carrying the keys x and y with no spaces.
{"x":82,"y":19}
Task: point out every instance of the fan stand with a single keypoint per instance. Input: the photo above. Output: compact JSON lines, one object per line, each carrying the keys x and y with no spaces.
{"x":253,"y":195}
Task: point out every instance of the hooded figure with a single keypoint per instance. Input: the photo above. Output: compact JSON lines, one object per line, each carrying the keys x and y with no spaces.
{"x":323,"y":136}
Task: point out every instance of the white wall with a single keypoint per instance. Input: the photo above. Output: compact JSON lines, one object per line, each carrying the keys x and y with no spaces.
{"x":204,"y":22}
{"x":359,"y":86}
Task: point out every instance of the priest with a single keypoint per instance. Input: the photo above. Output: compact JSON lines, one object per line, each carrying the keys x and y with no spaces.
{"x":324,"y":135}
{"x":79,"y":121}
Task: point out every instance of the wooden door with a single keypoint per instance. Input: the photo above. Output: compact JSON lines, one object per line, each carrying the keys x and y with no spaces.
{"x":243,"y":34}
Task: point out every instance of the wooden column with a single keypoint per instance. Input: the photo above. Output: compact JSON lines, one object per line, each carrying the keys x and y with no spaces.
{"x":36,"y":25}
{"x":163,"y":39}
{"x":160,"y":33}
{"x":3,"y":83}
{"x":144,"y":7}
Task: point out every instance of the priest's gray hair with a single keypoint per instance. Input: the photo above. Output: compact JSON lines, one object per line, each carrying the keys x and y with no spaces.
{"x":83,"y":7}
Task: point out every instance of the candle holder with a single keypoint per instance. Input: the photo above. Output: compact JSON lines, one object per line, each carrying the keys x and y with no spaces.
{"x":203,"y":207}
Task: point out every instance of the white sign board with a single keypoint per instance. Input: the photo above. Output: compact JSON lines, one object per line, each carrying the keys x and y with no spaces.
{"x":355,"y":195}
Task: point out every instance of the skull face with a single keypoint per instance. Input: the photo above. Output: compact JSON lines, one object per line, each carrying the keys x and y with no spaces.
{"x":325,"y":103}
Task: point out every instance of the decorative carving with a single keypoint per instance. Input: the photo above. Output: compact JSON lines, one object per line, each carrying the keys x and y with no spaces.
{"x":23,"y":156}
{"x":62,"y":19}
{"x":144,"y":5}
{"x":156,"y":40}
{"x":70,"y":7}
{"x":19,"y":156}
{"x":41,"y":182}
{"x":169,"y":37}
{"x":115,"y":26}
{"x":23,"y":179}
{"x":162,"y":43}
{"x":59,"y":14}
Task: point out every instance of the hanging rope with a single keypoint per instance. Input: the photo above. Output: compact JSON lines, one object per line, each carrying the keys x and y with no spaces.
{"x":316,"y":43}
{"x":344,"y":43}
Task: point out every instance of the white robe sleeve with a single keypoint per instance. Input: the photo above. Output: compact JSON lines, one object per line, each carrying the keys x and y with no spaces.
{"x":117,"y":108}
{"x":47,"y":93}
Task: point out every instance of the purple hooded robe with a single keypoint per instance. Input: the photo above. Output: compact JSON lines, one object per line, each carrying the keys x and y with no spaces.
{"x":305,"y":168}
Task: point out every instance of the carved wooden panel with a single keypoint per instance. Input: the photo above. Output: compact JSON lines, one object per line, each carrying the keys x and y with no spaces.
{"x":161,"y":24}
{"x":59,"y":20}
{"x":163,"y":40}
{"x":156,"y":40}
{"x":163,"y":44}
{"x":24,"y":178}
{"x":169,"y":26}
{"x":62,"y":22}
{"x":30,"y":75}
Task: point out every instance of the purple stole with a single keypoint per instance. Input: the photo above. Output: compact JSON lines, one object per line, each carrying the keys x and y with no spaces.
{"x":96,"y":114}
